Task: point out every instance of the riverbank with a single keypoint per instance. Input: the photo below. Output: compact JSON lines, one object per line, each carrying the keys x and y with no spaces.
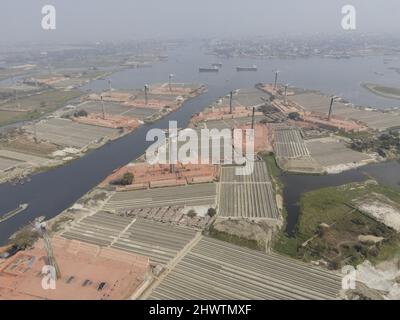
{"x":332,"y":231}
{"x":383,"y":91}
{"x":71,"y":132}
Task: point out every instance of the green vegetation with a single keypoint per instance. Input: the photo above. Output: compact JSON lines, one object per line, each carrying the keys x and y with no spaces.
{"x":386,"y":144}
{"x":357,"y":134}
{"x":33,"y":106}
{"x":127,"y":178}
{"x":192,"y":213}
{"x":80,"y":113}
{"x":286,"y":245}
{"x":294,"y":116}
{"x":25,"y":238}
{"x":235,"y":239}
{"x":387,"y":92}
{"x":211,"y":212}
{"x":272,"y":166}
{"x":57,"y":225}
{"x":329,"y":227}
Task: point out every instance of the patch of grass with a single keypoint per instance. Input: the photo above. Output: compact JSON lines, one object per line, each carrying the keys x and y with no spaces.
{"x":56,"y":226}
{"x":332,"y":227}
{"x":36,"y":105}
{"x":228,"y":237}
{"x":272,"y":166}
{"x":380,"y":90}
{"x":286,"y":245}
{"x":356,"y":135}
{"x":25,"y":238}
{"x":274,"y":171}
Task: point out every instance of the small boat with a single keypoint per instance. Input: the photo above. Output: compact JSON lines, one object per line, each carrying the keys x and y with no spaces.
{"x":252,"y":68}
{"x":14,"y":212}
{"x":217,"y":65}
{"x":213,"y":69}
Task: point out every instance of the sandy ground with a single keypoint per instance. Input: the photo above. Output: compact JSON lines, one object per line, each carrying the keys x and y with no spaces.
{"x":343,"y":167}
{"x":384,"y":277}
{"x":383,"y":212}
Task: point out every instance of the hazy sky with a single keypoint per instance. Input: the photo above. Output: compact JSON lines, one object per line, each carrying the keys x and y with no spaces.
{"x":95,"y":20}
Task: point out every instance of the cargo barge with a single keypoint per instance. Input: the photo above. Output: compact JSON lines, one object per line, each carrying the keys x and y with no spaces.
{"x":213,"y":69}
{"x":14,"y":212}
{"x":252,"y":68}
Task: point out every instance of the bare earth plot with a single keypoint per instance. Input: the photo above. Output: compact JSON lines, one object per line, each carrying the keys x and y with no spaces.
{"x":7,"y":163}
{"x":247,"y":196}
{"x":35,"y":160}
{"x":158,"y":241}
{"x":217,"y":270}
{"x":69,"y":133}
{"x":334,"y":154}
{"x":11,"y":159}
{"x":229,"y":123}
{"x":112,"y":108}
{"x":190,"y":195}
{"x":377,"y":120}
{"x":117,"y":109}
{"x":250,"y":97}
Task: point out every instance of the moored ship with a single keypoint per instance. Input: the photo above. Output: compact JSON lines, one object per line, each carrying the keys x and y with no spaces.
{"x":213,"y":69}
{"x":14,"y":212}
{"x":252,"y":68}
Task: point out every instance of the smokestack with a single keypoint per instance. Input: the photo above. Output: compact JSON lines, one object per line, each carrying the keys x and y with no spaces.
{"x":252,"y":118}
{"x":330,"y":109}
{"x":146,"y":88}
{"x":102,"y":107}
{"x":35,"y":133}
{"x":285,"y":101}
{"x":15,"y":91}
{"x":169,"y":81}
{"x":276,"y":79}
{"x":16,"y":99}
{"x":230,"y":102}
{"x":109,"y":85}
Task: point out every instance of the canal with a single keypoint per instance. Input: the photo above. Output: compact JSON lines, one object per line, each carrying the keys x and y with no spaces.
{"x":386,"y":173}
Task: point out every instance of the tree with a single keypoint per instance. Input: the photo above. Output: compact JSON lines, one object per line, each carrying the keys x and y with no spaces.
{"x":294,"y":116}
{"x":25,"y":238}
{"x":80,"y":113}
{"x":191,"y":213}
{"x":127,"y":178}
{"x":211,"y":212}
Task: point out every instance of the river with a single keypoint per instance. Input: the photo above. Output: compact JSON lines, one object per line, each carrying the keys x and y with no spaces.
{"x":386,"y":173}
{"x":51,"y":192}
